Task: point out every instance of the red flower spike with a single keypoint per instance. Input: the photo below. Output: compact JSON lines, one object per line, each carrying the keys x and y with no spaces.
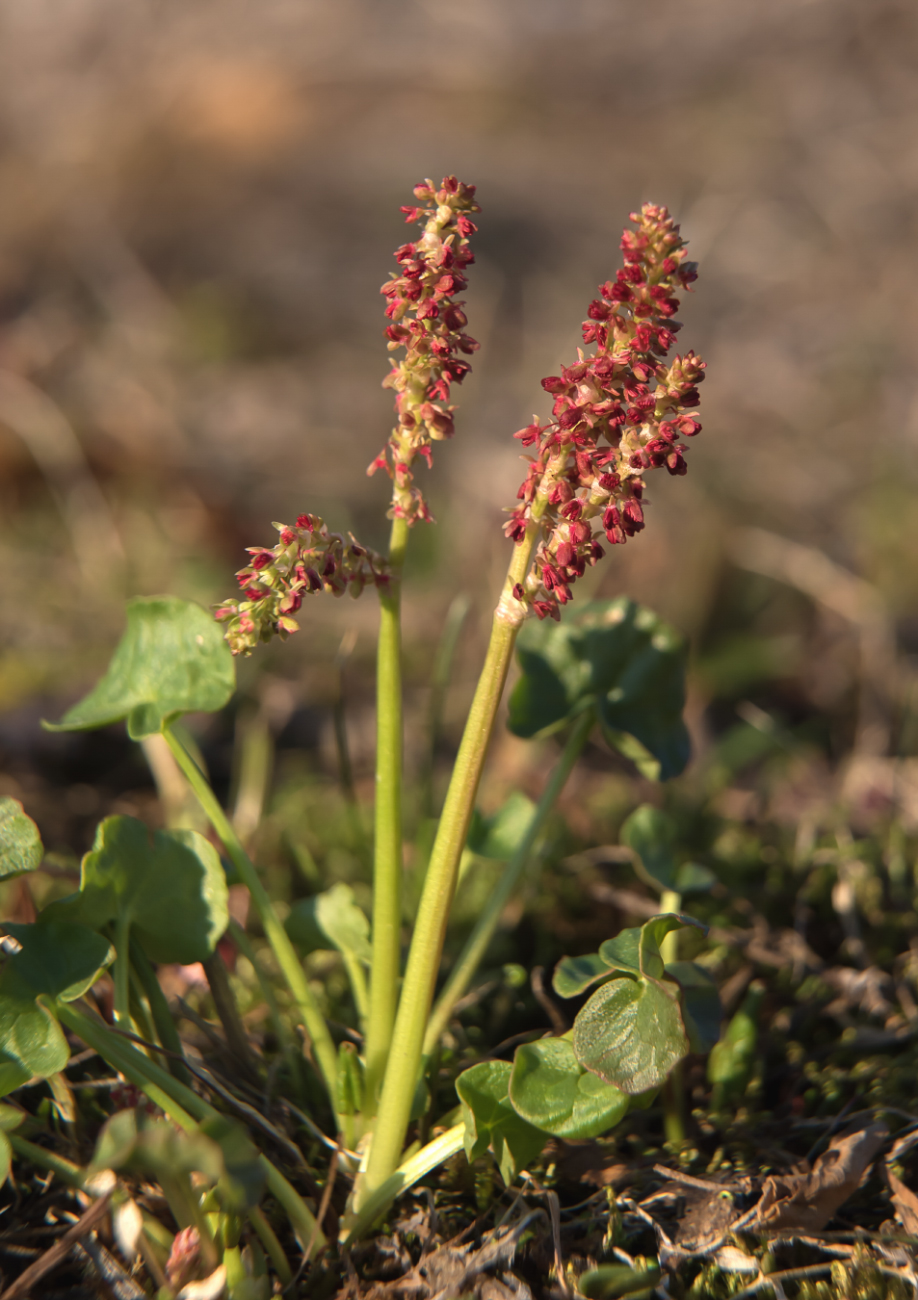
{"x":313,"y":560}
{"x":617,"y":414}
{"x":428,"y":325}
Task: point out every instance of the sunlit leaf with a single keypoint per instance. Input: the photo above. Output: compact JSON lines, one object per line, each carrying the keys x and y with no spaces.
{"x":630,"y":1033}
{"x":169,"y":886}
{"x":171,"y":660}
{"x":32,"y":1043}
{"x":20,"y":843}
{"x":491,"y":1121}
{"x":552,"y":1090}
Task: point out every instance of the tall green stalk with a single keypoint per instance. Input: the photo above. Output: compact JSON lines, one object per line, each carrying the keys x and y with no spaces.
{"x":310,"y":1015}
{"x":476,"y":946}
{"x":387,"y":851}
{"x":439,"y":885}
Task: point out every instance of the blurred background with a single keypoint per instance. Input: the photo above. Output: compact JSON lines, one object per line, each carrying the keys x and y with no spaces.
{"x":200,"y":201}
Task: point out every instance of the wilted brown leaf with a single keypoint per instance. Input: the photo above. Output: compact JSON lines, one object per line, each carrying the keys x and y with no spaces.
{"x":806,"y":1201}
{"x":906,"y":1203}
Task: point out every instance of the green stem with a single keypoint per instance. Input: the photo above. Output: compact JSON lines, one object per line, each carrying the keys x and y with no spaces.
{"x":439,"y":683}
{"x":183,"y":1106}
{"x":122,"y":1010}
{"x":407,"y":1174}
{"x":476,"y":946}
{"x":159,"y":1009}
{"x":273,"y":1249}
{"x":237,"y":1039}
{"x":358,"y":983}
{"x":42,"y":1158}
{"x":275,"y":933}
{"x":674,"y":1087}
{"x":387,"y":850}
{"x":430,"y":925}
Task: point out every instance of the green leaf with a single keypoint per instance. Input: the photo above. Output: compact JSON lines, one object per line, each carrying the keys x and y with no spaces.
{"x":693,"y":878}
{"x":331,"y":919}
{"x":574,"y":974}
{"x":6,"y":1157}
{"x":499,"y":835}
{"x":550,"y":1088}
{"x":170,"y":888}
{"x":651,"y":834}
{"x":491,"y":1121}
{"x":630,"y":1033}
{"x":623,"y":953}
{"x":620,"y":657}
{"x":612,"y":1281}
{"x":59,"y":958}
{"x":171,"y":660}
{"x":32,"y":1043}
{"x":652,"y":934}
{"x":349,"y":1082}
{"x":701,"y":1009}
{"x":20,"y":843}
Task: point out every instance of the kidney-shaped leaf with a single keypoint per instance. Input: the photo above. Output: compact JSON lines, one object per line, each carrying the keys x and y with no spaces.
{"x":491,"y":1121}
{"x":619,"y":656}
{"x":32,"y":1043}
{"x":170,"y":888}
{"x":59,"y":958}
{"x":171,"y":660}
{"x":630,"y":1033}
{"x":551,"y":1089}
{"x":499,"y":835}
{"x":651,"y":834}
{"x":574,"y":975}
{"x":331,"y":919}
{"x":20,"y":842}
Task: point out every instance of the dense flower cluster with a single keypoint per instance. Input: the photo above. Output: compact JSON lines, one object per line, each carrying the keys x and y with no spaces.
{"x":308,"y":558}
{"x":427,"y":320}
{"x":617,"y":414}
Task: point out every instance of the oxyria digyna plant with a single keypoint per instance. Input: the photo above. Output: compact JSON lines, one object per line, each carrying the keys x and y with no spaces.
{"x":622,"y":408}
{"x":620,"y":411}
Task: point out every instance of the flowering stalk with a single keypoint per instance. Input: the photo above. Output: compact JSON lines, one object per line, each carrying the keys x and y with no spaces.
{"x":574,"y":478}
{"x":610,"y":427}
{"x":427,"y":321}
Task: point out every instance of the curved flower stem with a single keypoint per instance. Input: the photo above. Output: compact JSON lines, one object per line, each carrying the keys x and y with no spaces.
{"x":387,"y":850}
{"x":310,"y":1015}
{"x":430,"y":925}
{"x":476,"y":946}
